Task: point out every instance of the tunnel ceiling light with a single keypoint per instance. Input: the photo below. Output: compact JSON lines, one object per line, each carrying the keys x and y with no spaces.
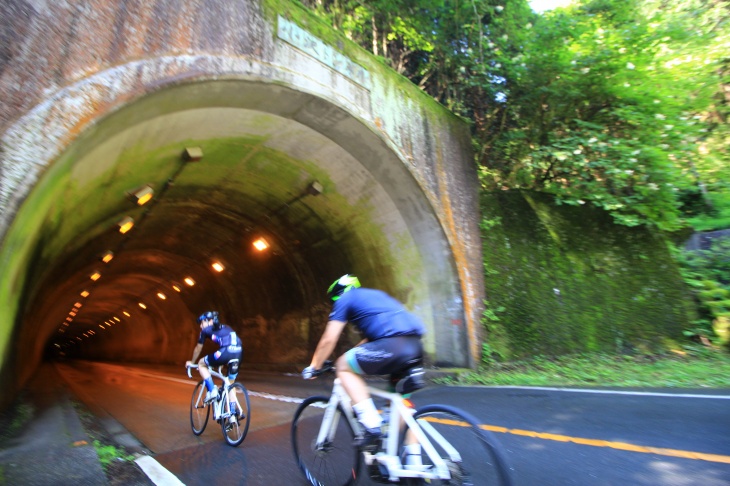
{"x":84,"y":293}
{"x":142,"y":305}
{"x":143,"y":195}
{"x":218,"y":266}
{"x":117,"y":319}
{"x":107,"y":256}
{"x":161,"y":295}
{"x":125,"y":224}
{"x":102,"y":326}
{"x":95,"y":276}
{"x":126,"y":313}
{"x":192,"y":154}
{"x":261,"y":244}
{"x":176,"y":288}
{"x":189,"y":281}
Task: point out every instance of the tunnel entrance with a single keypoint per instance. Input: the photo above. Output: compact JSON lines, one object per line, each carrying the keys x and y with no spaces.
{"x":227,"y":162}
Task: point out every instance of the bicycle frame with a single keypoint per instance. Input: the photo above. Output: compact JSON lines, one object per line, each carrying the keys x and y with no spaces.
{"x":390,"y":457}
{"x":220,"y":403}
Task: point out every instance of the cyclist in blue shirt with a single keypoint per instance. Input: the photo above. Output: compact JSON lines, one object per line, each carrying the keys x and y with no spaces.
{"x":391,"y":345}
{"x":229,"y":353}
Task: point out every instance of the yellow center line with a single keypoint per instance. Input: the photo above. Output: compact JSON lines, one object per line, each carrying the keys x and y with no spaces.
{"x":623,"y":446}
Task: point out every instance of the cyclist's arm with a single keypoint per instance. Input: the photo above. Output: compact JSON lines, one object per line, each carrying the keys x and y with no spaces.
{"x":327,"y":343}
{"x":196,"y":352}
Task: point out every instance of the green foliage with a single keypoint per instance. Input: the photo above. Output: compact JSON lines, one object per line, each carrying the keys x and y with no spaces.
{"x":15,"y":418}
{"x":611,"y":104}
{"x":707,"y":273}
{"x":715,"y":219}
{"x":109,"y":453}
{"x":690,"y":367}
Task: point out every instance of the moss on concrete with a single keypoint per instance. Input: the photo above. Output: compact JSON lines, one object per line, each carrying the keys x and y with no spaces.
{"x":566,"y":279}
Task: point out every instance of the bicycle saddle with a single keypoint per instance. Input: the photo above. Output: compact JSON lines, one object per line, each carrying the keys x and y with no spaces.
{"x":409,"y":381}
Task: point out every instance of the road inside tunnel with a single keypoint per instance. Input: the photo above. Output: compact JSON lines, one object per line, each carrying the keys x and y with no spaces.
{"x":227,"y":163}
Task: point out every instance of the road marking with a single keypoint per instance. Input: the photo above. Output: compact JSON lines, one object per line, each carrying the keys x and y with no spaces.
{"x":612,"y":445}
{"x":157,"y":474}
{"x":590,"y":442}
{"x":615,"y":392}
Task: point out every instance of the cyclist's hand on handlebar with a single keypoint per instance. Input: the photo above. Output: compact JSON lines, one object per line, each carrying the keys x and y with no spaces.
{"x":309,"y":373}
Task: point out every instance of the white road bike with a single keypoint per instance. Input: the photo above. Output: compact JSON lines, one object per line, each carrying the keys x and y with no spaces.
{"x":233,"y":425}
{"x":455,"y":449}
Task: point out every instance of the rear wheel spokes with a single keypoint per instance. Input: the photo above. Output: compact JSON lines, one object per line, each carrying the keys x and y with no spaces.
{"x":472,"y":455}
{"x":237,"y":417}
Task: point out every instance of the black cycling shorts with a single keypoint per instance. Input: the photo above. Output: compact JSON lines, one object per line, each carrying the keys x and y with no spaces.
{"x":386,"y":356}
{"x":224,"y":355}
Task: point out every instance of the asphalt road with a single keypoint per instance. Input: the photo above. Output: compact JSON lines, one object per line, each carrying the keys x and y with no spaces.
{"x":550,"y":436}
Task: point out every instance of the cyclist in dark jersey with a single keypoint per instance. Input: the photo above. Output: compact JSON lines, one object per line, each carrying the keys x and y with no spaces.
{"x":391,"y":345}
{"x":229,"y":353}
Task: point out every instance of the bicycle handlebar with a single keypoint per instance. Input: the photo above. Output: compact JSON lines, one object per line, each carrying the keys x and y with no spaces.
{"x":189,"y":367}
{"x":327,"y":366}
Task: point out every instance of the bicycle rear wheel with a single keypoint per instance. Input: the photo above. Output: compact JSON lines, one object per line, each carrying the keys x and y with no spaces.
{"x":199,"y":410}
{"x":337,"y":461}
{"x":235,"y":427}
{"x":480,"y":458}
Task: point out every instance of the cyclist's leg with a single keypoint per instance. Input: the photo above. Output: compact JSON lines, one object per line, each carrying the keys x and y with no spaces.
{"x":349,"y":372}
{"x":203,"y":365}
{"x":234,"y":359}
{"x":379,"y":357}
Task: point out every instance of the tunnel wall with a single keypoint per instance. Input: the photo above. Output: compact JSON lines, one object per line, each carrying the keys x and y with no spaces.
{"x":66,"y":65}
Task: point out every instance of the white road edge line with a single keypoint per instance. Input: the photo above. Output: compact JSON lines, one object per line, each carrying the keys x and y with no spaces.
{"x":615,"y":392}
{"x":544,"y":388}
{"x":157,"y":474}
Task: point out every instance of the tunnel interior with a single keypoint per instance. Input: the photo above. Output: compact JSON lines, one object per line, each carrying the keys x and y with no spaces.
{"x":228,"y":162}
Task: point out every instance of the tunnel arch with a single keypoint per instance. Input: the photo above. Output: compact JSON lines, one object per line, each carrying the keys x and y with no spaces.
{"x":372,"y":186}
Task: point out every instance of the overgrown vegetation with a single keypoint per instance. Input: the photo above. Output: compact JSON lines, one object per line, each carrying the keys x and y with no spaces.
{"x":691,"y":367}
{"x":707,"y":272}
{"x":108,"y":453}
{"x":14,"y":418}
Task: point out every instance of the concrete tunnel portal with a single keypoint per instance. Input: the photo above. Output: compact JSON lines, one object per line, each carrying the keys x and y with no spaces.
{"x":325,"y":209}
{"x":329,"y":179}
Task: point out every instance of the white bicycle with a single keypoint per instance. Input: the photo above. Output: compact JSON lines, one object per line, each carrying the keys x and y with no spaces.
{"x":455,"y":449}
{"x":233,"y":425}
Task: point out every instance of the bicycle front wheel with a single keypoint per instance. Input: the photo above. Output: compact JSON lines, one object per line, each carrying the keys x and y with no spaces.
{"x":473,"y":455}
{"x":199,"y":410}
{"x":332,"y":463}
{"x":235,"y":424}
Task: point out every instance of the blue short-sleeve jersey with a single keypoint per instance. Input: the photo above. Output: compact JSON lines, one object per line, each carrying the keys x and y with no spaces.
{"x":223,"y":337}
{"x":376,"y":314}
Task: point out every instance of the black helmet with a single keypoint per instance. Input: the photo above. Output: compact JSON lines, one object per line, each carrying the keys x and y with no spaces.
{"x":342,"y":285}
{"x":210,"y":315}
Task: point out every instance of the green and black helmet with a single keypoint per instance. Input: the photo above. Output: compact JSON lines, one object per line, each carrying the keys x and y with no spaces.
{"x":342,"y":285}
